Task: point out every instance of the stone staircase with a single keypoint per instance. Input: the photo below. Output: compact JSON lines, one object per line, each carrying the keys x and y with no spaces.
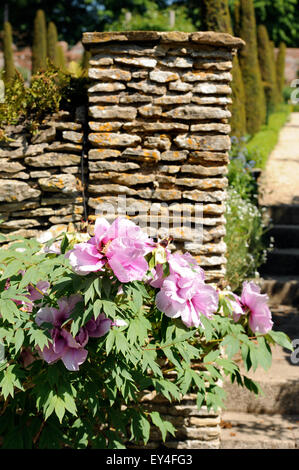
{"x":271,"y":421}
{"x":281,"y":272}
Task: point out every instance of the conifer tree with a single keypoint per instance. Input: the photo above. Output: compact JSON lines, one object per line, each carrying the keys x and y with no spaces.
{"x":216,"y":15}
{"x":52,"y":38}
{"x":61,"y":62}
{"x":280,"y":68}
{"x":9,"y":69}
{"x":39,"y":49}
{"x":245,"y":27}
{"x":265,"y":54}
{"x":217,"y":18}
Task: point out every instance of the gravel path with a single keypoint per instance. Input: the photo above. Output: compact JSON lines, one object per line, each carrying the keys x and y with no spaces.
{"x":279,"y":183}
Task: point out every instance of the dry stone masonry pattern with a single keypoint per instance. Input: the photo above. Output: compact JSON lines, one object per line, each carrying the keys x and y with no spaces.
{"x":157,"y":133}
{"x":159,"y":130}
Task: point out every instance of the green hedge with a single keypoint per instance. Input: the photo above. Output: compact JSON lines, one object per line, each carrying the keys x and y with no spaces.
{"x":262,"y":143}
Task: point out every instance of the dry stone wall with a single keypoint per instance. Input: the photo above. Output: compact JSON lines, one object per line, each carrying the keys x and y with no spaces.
{"x":159,"y":132}
{"x":41,"y":177}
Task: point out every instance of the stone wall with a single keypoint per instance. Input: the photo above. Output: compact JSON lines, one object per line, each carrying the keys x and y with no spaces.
{"x":159,"y":130}
{"x":41,"y":178}
{"x":196,"y":428}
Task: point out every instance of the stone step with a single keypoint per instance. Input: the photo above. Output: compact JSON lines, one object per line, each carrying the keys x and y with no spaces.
{"x":253,"y":431}
{"x":280,"y":386}
{"x":282,"y":290}
{"x":284,"y":262}
{"x":285,"y":236}
{"x":284,"y":214}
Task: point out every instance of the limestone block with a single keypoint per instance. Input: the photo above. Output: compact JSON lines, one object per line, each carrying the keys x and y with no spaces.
{"x":162,"y":76}
{"x":204,"y":170}
{"x":207,"y":77}
{"x":141,"y":154}
{"x":52,"y":159}
{"x":180,"y":86}
{"x":6,"y":166}
{"x":207,"y":88}
{"x":162,"y":142}
{"x":106,"y":139}
{"x":204,"y":196}
{"x":134,"y":98}
{"x":171,"y":98}
{"x":146,"y":86}
{"x":145,"y":126}
{"x":105,"y":99}
{"x":102,"y":154}
{"x":150,"y":111}
{"x":11,"y":191}
{"x":106,"y":87}
{"x":76,"y":137}
{"x":178,"y":62}
{"x":111,"y":112}
{"x":105,"y":126}
{"x":109,"y":74}
{"x":197,"y":112}
{"x":145,"y":62}
{"x":56,"y":183}
{"x":204,"y":184}
{"x":48,"y":135}
{"x":174,"y":156}
{"x":112,"y":166}
{"x":197,"y":142}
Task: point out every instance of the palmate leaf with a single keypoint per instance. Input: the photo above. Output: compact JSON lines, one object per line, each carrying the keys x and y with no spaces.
{"x":164,"y":426}
{"x":9,"y":379}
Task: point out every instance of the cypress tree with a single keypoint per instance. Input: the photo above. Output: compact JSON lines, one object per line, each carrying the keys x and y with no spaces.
{"x":217,"y":18}
{"x":216,"y":15}
{"x":61,"y":62}
{"x":39,"y":49}
{"x":273,"y":59}
{"x":85,"y":60}
{"x":52,"y":38}
{"x":245,"y":27}
{"x":9,"y":69}
{"x":280,"y":68}
{"x":267,"y":68}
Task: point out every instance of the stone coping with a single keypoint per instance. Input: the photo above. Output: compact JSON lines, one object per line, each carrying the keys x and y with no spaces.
{"x":208,"y":38}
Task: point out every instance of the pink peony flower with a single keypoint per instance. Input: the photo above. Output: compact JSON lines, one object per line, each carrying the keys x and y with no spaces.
{"x":122,"y":245}
{"x":64,"y":346}
{"x":184,"y":293}
{"x":254,"y":303}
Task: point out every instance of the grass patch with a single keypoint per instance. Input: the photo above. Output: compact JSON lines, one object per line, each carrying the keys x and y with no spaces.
{"x":262,"y":143}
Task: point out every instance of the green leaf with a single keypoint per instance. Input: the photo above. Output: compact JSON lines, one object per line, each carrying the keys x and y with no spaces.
{"x":232,"y":345}
{"x":211,"y":356}
{"x":281,"y":338}
{"x":12,"y":268}
{"x":19,"y":339}
{"x":59,"y":408}
{"x":164,"y":426}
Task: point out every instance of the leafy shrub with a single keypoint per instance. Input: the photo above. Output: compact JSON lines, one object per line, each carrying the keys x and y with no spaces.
{"x":81,"y":349}
{"x":48,"y":92}
{"x":245,"y":239}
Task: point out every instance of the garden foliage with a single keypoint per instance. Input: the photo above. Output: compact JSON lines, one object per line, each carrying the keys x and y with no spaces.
{"x":39,"y":48}
{"x":245,"y":27}
{"x":89,"y":325}
{"x":9,"y":68}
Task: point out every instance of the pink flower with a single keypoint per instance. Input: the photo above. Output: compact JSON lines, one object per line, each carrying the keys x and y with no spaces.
{"x":122,"y":245}
{"x":64,"y":346}
{"x":254,"y":303}
{"x":184,"y":293}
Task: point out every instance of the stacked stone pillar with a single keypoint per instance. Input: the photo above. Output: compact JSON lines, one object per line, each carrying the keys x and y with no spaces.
{"x":159,"y":133}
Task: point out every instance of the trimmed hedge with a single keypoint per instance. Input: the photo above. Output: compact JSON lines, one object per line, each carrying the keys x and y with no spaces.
{"x":262,"y":144}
